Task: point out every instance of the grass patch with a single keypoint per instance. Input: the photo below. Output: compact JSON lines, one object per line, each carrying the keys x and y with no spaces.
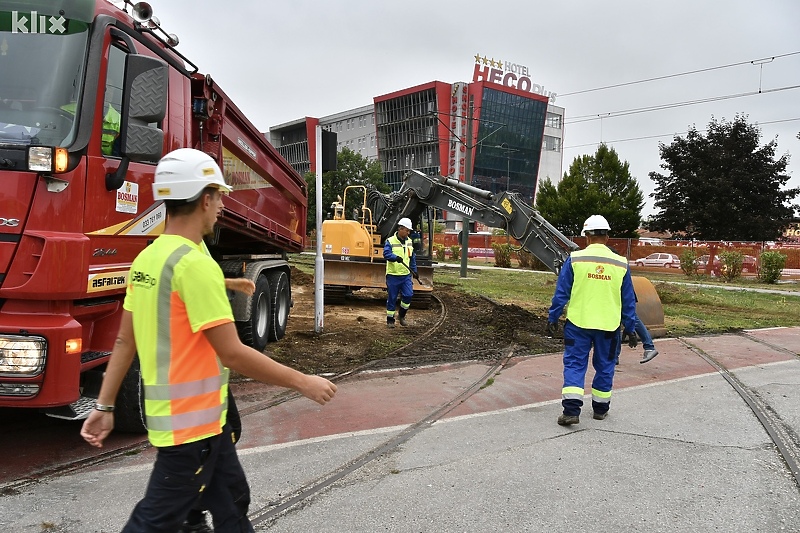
{"x":689,"y":307}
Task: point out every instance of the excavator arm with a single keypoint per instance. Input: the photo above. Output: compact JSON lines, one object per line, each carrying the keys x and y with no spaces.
{"x":506,"y":210}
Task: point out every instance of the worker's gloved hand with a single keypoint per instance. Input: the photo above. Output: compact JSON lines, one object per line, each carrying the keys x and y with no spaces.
{"x":552,"y":328}
{"x":399,"y":260}
{"x":630,"y":338}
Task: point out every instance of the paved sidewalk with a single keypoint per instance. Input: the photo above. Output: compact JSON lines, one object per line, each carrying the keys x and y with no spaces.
{"x":679,"y":452}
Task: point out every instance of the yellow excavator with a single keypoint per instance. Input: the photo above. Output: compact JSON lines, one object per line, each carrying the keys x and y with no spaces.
{"x":352,"y":249}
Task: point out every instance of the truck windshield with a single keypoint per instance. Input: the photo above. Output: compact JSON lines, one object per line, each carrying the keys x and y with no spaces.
{"x":41,"y":75}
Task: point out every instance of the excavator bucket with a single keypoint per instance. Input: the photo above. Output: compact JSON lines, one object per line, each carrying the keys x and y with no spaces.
{"x":648,"y":306}
{"x":342,"y":277}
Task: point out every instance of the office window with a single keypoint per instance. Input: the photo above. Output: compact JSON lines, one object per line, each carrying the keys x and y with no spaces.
{"x":553,"y":120}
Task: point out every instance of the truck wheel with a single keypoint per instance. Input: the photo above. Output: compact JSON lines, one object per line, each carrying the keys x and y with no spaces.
{"x":129,"y":413}
{"x":280,"y":302}
{"x":255,"y":332}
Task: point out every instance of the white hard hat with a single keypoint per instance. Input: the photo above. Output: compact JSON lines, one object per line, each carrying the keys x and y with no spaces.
{"x":183,"y":174}
{"x":405,"y":222}
{"x":595,"y":222}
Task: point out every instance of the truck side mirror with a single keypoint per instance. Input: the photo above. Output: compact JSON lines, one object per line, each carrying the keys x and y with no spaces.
{"x":144,"y":101}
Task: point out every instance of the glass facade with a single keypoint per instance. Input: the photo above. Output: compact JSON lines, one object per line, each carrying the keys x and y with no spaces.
{"x":509,"y":143}
{"x":407,"y":135}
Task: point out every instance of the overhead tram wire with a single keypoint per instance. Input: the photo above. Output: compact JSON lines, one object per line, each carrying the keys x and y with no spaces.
{"x":668,"y":76}
{"x":645,"y":137}
{"x":622,"y":113}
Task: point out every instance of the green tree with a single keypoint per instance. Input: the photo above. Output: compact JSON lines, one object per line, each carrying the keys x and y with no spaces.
{"x":351,"y":169}
{"x":598,"y":184}
{"x":723,"y":186}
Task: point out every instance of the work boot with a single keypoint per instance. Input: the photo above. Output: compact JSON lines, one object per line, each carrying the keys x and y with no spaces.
{"x":649,"y":355}
{"x":599,"y":416}
{"x":201,"y":527}
{"x":568,"y":420}
{"x":390,"y":325}
{"x":403,"y":321}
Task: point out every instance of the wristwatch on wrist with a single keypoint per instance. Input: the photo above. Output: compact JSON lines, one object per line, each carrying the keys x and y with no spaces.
{"x":104,"y":408}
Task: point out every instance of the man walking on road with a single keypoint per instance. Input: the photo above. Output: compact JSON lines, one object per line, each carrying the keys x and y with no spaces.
{"x":178,"y":320}
{"x":401,"y":263}
{"x":596,"y":282}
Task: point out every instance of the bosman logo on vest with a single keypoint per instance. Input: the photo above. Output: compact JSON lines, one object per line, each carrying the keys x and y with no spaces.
{"x":599,"y":273}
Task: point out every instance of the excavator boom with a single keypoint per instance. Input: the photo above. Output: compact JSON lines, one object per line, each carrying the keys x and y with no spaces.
{"x":346,"y":268}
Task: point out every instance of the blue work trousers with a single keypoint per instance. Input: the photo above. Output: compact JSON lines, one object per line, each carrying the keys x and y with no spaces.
{"x":207,"y":471}
{"x":578,"y":342}
{"x":403,"y":286}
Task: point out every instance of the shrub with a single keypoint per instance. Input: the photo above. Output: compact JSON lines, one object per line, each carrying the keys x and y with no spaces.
{"x":731,"y":264}
{"x":689,"y":262}
{"x":771,"y":265}
{"x":528,"y":260}
{"x":438,"y":252}
{"x":525,"y":258}
{"x":502,"y":254}
{"x":455,"y":252}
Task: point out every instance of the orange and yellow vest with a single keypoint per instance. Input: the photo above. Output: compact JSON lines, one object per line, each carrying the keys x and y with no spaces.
{"x":175,"y":291}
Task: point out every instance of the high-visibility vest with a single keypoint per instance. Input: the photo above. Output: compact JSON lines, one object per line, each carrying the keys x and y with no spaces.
{"x":111,"y":125}
{"x":404,"y":250}
{"x":596,"y":298}
{"x":175,"y":291}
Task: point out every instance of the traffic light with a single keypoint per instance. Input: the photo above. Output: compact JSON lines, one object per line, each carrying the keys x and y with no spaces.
{"x":328,"y":150}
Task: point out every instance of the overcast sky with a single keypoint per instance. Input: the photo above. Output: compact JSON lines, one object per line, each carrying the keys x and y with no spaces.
{"x":280,"y":61}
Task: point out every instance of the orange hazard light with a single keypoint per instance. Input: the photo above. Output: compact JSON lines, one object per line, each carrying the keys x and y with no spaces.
{"x":73,"y":346}
{"x":61,"y":160}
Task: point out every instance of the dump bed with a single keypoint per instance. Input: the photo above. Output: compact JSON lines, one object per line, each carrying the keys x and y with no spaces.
{"x":266,"y":212}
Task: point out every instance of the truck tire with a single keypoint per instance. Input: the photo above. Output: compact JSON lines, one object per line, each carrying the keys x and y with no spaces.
{"x":255,"y":332}
{"x":129,"y":413}
{"x":280,"y":303}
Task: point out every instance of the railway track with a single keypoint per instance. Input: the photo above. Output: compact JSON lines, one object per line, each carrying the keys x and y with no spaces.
{"x":782,"y":435}
{"x":785,"y":440}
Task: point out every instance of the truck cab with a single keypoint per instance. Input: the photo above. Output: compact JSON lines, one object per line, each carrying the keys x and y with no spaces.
{"x":91,"y":96}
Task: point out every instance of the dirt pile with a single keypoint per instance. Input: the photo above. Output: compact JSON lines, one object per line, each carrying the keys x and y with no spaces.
{"x":457,"y":327}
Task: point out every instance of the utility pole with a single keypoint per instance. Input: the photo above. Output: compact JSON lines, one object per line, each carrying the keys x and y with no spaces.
{"x":468,"y":181}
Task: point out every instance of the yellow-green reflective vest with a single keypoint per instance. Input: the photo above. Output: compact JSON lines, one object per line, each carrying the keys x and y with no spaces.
{"x":403,"y":250}
{"x":596,"y":300}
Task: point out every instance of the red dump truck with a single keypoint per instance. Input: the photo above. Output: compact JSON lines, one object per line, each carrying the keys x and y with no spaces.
{"x":92,"y":94}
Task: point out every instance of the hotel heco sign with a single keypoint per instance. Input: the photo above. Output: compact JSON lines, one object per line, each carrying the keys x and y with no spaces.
{"x":508,"y":74}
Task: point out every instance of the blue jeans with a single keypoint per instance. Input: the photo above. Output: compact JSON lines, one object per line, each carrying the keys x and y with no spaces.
{"x":644,"y":335}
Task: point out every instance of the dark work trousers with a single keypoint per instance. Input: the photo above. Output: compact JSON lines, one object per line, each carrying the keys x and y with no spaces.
{"x":197,"y":515}
{"x":208,"y":470}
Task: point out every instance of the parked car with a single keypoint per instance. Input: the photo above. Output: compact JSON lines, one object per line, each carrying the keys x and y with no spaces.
{"x":749,"y":264}
{"x":660,"y":260}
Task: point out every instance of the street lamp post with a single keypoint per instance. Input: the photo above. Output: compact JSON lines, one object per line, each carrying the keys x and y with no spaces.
{"x":508,"y":150}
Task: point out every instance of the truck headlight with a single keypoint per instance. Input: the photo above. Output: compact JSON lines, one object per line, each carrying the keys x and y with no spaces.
{"x":47,"y":159}
{"x":22,"y":355}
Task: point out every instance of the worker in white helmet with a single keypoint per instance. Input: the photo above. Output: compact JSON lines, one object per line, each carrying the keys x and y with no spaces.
{"x":178,"y":320}
{"x":596,"y":282}
{"x":401,"y":264}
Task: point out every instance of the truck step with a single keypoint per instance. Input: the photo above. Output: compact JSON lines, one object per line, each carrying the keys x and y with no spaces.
{"x":78,"y":410}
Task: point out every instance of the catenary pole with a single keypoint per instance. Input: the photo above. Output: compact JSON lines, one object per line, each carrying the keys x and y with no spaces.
{"x":468,"y":181}
{"x":319,"y":264}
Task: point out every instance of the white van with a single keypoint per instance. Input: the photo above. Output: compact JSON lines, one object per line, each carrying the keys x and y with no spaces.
{"x":650,"y":241}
